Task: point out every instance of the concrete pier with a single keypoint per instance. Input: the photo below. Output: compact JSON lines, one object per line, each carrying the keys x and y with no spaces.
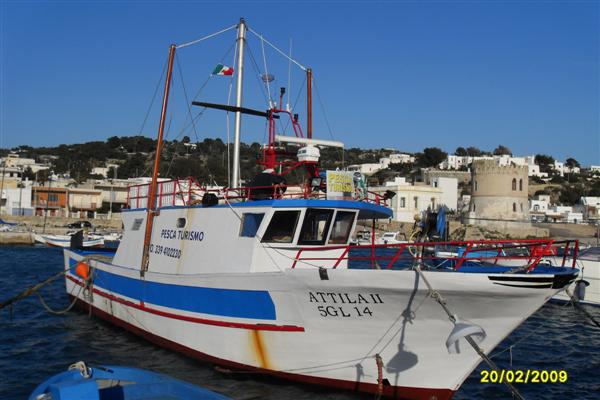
{"x":16,"y":238}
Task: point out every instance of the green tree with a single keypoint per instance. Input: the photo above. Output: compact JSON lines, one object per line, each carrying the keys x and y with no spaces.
{"x":572,"y":163}
{"x":42,"y":176}
{"x":474,"y":152}
{"x":502,"y":150}
{"x":461,"y":151}
{"x":431,"y":157}
{"x":545,"y":162}
{"x":28,"y":174}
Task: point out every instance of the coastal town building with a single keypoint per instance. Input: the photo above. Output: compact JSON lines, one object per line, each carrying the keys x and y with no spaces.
{"x":16,"y":201}
{"x":84,"y":203}
{"x":410,"y":200}
{"x":498,"y":195}
{"x":454,"y":162}
{"x":14,"y":161}
{"x":105,"y":171}
{"x":590,"y":208}
{"x":50,"y":201}
{"x":449,"y":187}
{"x":11,"y":172}
{"x":384,"y":162}
{"x":565,"y":214}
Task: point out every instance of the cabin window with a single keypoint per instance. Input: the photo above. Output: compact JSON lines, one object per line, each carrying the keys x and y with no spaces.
{"x":250,"y":224}
{"x":181,"y":222}
{"x":282,"y":227}
{"x":341,"y":227}
{"x":315,"y":226}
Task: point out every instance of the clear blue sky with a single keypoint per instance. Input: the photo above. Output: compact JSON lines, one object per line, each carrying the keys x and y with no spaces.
{"x":407,"y":75}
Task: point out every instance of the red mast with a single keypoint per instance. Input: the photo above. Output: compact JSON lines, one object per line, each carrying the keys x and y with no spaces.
{"x":151,"y":211}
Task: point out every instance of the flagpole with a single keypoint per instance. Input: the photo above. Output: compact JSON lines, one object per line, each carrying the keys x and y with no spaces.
{"x":235,"y":181}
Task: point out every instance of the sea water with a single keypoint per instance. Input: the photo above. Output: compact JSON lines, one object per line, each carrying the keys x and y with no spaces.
{"x":35,"y":345}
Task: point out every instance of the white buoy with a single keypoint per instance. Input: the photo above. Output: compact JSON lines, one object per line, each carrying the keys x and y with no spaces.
{"x":579,"y":291}
{"x":461,"y":330}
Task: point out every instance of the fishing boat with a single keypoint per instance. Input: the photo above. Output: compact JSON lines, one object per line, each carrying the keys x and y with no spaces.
{"x":262,"y":277}
{"x":65,"y":240}
{"x":108,"y":382}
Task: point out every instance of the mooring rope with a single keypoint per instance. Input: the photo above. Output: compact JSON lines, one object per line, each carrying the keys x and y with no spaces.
{"x":30,"y":290}
{"x":59,"y":312}
{"x":434,"y":294}
{"x":580,"y":308}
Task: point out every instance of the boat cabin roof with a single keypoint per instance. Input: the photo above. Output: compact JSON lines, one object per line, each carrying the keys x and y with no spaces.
{"x":366,"y":210}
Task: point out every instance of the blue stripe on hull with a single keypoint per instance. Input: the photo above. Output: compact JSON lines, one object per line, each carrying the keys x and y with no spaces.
{"x":254,"y":304}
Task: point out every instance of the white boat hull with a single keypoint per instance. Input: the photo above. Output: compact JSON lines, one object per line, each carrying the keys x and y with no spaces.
{"x":306,"y":328}
{"x":65,"y":241}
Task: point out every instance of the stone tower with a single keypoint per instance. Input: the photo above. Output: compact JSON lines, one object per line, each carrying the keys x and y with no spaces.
{"x":498,"y":195}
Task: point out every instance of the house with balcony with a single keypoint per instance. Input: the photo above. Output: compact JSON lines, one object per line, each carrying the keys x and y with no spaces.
{"x":84,"y":203}
{"x":50,"y":201}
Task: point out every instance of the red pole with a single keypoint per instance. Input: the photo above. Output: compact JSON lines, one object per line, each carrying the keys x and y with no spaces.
{"x":309,"y":103}
{"x":151,"y":212}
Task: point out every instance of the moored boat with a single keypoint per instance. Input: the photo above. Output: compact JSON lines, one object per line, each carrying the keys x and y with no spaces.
{"x":65,"y":240}
{"x":107,"y":382}
{"x":263,"y":278}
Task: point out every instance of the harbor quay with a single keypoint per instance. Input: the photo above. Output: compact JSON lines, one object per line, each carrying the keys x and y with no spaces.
{"x":27,"y":226}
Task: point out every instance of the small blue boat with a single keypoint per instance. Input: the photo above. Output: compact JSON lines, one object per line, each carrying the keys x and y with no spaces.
{"x":117,"y":383}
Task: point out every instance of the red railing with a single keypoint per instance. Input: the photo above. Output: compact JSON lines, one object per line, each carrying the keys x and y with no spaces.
{"x":188,"y":191}
{"x":493,"y":251}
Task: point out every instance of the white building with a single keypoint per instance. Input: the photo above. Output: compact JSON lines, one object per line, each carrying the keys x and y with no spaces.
{"x":104,"y":171}
{"x":13,"y":160}
{"x":410,"y":200}
{"x":367,"y":169}
{"x":456,"y":162}
{"x":16,"y":201}
{"x":401,"y":158}
{"x":590,"y":207}
{"x":449,"y":187}
{"x":384,"y":162}
{"x":540,"y":204}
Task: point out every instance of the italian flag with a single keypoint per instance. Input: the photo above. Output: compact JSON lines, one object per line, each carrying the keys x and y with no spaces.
{"x":222,"y":70}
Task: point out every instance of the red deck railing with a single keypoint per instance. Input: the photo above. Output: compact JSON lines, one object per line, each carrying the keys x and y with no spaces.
{"x":188,"y":191}
{"x":497,"y":252}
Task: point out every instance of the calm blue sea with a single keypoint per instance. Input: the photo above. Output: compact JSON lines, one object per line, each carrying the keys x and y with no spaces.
{"x":35,"y":345}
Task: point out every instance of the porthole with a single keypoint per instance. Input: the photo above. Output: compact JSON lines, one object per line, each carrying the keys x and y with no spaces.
{"x":181,"y":222}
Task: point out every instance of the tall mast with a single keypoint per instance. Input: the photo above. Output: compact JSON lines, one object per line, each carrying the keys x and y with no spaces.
{"x":309,"y":103}
{"x":235,"y":181}
{"x":151,"y":211}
